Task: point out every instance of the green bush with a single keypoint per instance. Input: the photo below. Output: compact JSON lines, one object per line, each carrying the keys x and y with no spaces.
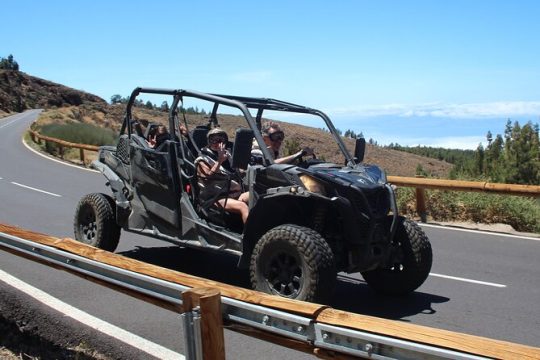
{"x":80,"y":133}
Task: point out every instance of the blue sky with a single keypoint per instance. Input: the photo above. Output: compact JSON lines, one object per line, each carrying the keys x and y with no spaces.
{"x":439,"y":73}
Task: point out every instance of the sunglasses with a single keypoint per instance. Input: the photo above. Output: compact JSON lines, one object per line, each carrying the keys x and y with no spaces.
{"x":277,"y":136}
{"x":217,"y":140}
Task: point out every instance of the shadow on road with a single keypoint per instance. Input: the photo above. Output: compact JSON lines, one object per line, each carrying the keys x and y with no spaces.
{"x":351,"y":294}
{"x":356,"y":296}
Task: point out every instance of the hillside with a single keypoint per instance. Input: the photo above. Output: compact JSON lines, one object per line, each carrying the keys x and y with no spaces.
{"x":19,"y":91}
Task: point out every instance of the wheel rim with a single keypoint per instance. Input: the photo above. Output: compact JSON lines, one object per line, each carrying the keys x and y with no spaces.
{"x":283,"y":274}
{"x":88,"y":224}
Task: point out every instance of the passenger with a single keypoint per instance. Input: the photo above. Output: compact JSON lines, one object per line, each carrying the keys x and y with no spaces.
{"x":160,"y":136}
{"x":273,"y":138}
{"x":214,"y":172}
{"x":187,"y":139}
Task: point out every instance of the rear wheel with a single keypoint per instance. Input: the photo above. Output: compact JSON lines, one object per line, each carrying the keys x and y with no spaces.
{"x":410,"y":266}
{"x":95,"y":222}
{"x":294,"y":262}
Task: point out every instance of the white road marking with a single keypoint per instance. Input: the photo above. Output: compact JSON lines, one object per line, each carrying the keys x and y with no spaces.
{"x":440,"y":276}
{"x":8,"y":123}
{"x":468,"y":280}
{"x":131,"y":339}
{"x":480,"y":232}
{"x":38,"y":190}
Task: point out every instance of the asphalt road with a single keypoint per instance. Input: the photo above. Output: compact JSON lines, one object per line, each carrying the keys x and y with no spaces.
{"x":482,"y":284}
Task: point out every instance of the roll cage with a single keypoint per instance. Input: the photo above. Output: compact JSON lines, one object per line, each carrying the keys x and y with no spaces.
{"x":244,"y":104}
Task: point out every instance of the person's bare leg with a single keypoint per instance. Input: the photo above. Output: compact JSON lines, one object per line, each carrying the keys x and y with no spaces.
{"x":244,"y":197}
{"x":235,"y":206}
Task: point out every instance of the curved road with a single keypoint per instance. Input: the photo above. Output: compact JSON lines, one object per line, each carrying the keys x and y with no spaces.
{"x":481,"y":283}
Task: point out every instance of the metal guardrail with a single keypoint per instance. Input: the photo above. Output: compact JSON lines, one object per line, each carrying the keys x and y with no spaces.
{"x":317,"y":329}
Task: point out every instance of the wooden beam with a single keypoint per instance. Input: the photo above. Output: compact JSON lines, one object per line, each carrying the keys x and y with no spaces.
{"x":457,"y":185}
{"x":430,"y":336}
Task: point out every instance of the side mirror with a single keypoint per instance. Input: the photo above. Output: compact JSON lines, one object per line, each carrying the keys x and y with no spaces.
{"x":242,"y":148}
{"x":359,"y":150}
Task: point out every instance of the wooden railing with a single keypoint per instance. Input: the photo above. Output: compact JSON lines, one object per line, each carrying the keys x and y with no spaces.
{"x":421,"y":184}
{"x":61,"y":144}
{"x":318,"y":315}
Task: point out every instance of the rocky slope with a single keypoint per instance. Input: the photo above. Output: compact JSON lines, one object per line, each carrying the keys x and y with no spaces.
{"x":20,"y":91}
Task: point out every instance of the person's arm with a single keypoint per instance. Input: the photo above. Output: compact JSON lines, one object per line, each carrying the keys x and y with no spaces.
{"x":296,"y":156}
{"x":208,"y":170}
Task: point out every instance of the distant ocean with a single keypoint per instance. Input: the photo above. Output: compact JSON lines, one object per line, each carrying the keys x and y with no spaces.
{"x":459,"y":133}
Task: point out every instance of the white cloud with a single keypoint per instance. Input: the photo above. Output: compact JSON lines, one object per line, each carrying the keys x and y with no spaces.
{"x":454,"y":142}
{"x":447,"y":142}
{"x":472,"y":110}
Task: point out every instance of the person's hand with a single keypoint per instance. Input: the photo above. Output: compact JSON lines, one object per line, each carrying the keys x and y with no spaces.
{"x":182,"y":129}
{"x":152,"y":141}
{"x":222,"y":153}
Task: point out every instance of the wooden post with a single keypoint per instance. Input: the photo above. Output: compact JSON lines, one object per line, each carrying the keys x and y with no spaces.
{"x":209,"y":300}
{"x":61,"y":151}
{"x":81,"y":152}
{"x":421,"y":202}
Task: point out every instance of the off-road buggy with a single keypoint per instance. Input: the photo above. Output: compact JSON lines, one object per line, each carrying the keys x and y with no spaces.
{"x":307,"y":221}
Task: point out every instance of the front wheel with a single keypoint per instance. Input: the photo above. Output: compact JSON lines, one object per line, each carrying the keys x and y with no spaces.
{"x":294,"y":262}
{"x":410,"y":266}
{"x":95,"y":222}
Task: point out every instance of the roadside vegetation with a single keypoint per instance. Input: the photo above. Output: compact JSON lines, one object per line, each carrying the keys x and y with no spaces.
{"x":512,"y":158}
{"x":80,"y":133}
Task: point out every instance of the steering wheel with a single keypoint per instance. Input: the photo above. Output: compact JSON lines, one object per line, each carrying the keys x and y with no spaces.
{"x":305,"y":163}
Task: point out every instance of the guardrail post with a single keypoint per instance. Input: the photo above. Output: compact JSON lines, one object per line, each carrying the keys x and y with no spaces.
{"x":211,"y":323}
{"x":421,"y":202}
{"x":81,"y":152}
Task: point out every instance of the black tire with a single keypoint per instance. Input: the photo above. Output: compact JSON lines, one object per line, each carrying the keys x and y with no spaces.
{"x":95,"y":222}
{"x":294,"y":262}
{"x":410,"y":267}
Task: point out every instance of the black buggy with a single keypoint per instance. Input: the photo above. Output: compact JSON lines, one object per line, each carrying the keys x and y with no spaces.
{"x":307,"y":221}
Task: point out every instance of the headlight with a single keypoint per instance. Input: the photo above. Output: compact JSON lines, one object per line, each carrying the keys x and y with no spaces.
{"x":312,"y":185}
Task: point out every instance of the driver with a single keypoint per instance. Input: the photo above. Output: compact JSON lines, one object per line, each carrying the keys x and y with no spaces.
{"x":273,"y":138}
